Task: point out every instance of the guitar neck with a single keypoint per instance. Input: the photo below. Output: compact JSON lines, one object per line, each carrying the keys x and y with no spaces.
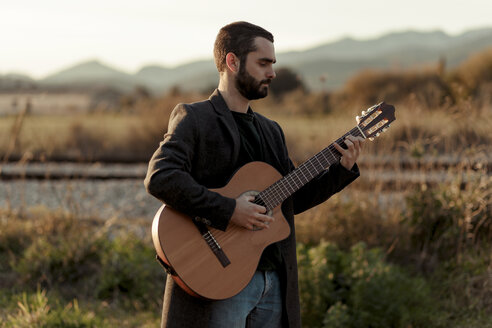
{"x":295,"y":180}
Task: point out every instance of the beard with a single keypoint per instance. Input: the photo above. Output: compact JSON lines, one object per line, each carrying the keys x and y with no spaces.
{"x":249,"y":87}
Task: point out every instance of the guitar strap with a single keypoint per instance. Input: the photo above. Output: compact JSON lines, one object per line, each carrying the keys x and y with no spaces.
{"x":167,"y":268}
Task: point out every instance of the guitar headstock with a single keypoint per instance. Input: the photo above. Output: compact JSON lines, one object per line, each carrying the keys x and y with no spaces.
{"x":376,"y":119}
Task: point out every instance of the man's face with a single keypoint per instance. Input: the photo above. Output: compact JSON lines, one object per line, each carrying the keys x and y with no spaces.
{"x":256,"y":73}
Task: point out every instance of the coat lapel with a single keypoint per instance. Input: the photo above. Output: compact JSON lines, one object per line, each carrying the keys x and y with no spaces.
{"x":226,"y":118}
{"x":271,"y":146}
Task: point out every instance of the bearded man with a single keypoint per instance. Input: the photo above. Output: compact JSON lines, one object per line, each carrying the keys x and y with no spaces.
{"x":206,"y":143}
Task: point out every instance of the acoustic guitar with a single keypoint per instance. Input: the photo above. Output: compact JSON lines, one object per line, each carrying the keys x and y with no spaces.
{"x":214,"y":264}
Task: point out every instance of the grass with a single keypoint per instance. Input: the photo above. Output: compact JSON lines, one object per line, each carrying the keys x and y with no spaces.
{"x":58,"y":270}
{"x":86,"y":137}
{"x":133,"y":137}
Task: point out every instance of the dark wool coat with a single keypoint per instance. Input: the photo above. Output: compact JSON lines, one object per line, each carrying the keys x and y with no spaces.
{"x":200,"y":151}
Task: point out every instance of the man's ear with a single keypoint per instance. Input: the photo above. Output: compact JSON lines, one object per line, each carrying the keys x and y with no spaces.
{"x":232,"y":62}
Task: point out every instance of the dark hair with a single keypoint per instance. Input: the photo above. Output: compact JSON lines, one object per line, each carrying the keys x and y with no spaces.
{"x":238,"y":38}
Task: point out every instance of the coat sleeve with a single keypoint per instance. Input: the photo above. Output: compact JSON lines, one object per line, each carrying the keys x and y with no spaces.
{"x":169,"y":175}
{"x":328,"y":183}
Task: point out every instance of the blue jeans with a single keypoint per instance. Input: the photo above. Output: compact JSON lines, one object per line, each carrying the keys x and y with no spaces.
{"x":257,"y":305}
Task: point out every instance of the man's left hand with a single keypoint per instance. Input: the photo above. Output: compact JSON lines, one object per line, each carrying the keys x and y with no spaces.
{"x":350,"y":155}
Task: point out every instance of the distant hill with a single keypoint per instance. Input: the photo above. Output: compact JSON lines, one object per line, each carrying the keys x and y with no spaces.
{"x":325,"y":66}
{"x":14,"y":82}
{"x":339,"y":60}
{"x":195,"y":75}
{"x":92,"y":73}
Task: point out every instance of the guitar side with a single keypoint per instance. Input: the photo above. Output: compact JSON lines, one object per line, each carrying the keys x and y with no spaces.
{"x":181,"y":246}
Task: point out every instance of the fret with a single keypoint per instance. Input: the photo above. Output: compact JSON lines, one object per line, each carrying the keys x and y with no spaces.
{"x":320,"y":164}
{"x":302,"y":172}
{"x":288,"y":186}
{"x":324,"y":156}
{"x":310,"y":172}
{"x":293,"y":177}
{"x":335,"y":156}
{"x":285,"y":186}
{"x":267,"y":201}
{"x":274,"y":194}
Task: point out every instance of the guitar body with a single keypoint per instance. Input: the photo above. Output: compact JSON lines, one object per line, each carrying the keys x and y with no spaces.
{"x":196,"y":268}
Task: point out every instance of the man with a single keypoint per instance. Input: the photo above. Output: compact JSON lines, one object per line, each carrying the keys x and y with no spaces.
{"x":206,"y":143}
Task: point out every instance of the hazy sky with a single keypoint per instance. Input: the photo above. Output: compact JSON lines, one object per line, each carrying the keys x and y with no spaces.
{"x":40,"y":37}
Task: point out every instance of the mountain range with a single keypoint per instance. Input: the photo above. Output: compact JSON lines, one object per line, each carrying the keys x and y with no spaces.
{"x":326,"y":66}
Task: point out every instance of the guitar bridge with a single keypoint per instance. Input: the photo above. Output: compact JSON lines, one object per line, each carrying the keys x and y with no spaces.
{"x":212,"y":243}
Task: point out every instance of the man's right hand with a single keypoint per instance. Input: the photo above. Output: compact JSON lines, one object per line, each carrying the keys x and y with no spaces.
{"x":250,"y":215}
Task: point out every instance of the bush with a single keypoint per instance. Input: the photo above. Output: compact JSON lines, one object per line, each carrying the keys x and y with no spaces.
{"x":451,"y":218}
{"x":346,"y":223}
{"x":66,"y":255}
{"x":472,"y":74}
{"x":286,"y":81}
{"x":425,"y":87}
{"x":129,"y":276}
{"x":81,"y":259}
{"x":358,"y":289}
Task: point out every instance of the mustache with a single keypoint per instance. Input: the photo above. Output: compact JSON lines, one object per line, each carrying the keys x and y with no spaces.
{"x":266,"y":81}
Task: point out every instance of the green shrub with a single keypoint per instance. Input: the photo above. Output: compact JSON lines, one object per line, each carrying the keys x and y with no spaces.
{"x":320,"y":281}
{"x":337,"y":316}
{"x":81,"y":258}
{"x":67,"y":257}
{"x":129,"y":275}
{"x":358,"y":289}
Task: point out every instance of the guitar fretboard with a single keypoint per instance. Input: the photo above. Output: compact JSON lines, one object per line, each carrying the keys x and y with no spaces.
{"x":295,"y":180}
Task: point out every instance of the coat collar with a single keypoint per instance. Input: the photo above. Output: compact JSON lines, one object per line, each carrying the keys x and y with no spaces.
{"x":271,"y":148}
{"x":219,"y":103}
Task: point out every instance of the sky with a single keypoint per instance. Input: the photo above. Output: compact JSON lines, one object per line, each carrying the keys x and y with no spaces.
{"x":38,"y":38}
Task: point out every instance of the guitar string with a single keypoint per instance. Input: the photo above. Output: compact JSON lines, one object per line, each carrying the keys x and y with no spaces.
{"x":276,"y":190}
{"x":274,"y":194}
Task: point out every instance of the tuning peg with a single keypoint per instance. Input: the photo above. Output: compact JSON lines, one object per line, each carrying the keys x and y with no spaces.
{"x":363,"y":113}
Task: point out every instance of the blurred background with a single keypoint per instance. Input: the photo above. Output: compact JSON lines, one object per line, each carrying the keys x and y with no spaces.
{"x":86,"y":90}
